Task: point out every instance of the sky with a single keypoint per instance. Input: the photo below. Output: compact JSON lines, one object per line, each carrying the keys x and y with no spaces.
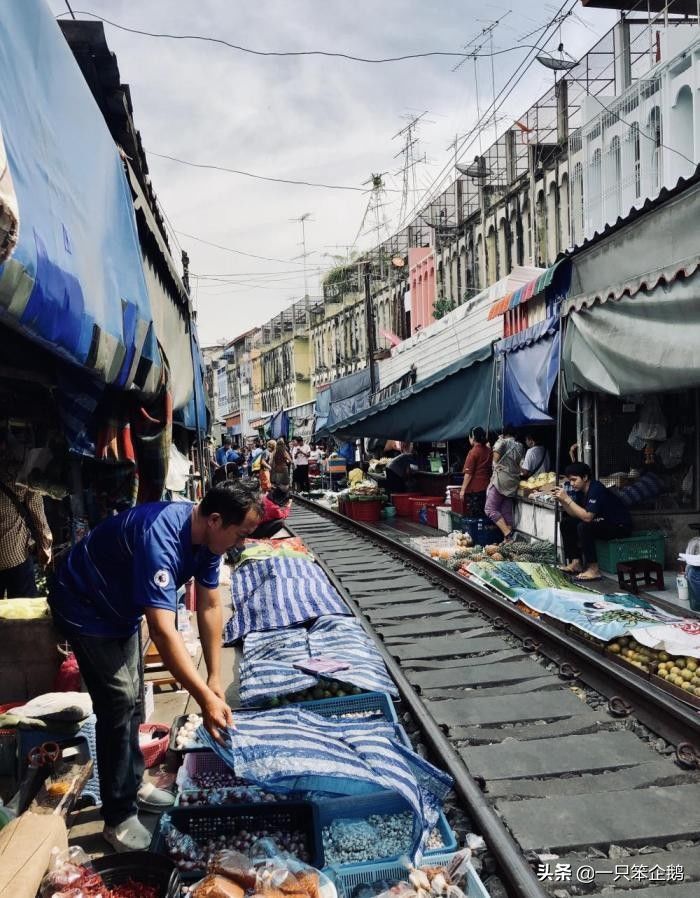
{"x":312,"y":118}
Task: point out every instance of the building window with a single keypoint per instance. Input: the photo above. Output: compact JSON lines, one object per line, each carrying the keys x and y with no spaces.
{"x":654,"y":135}
{"x":637,"y":159}
{"x":577,"y":214}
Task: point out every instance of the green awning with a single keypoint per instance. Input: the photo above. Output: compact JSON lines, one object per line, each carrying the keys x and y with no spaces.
{"x":444,"y":406}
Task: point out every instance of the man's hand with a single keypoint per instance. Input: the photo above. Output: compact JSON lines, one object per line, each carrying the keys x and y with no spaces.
{"x":561,"y":495}
{"x":214,"y":683}
{"x":461,"y":495}
{"x":217,"y":716}
{"x":43,"y":556}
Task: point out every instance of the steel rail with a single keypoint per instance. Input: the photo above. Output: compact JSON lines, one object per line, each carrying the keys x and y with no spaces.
{"x":666,"y":716}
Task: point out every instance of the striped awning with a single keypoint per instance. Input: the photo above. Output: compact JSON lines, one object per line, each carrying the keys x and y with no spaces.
{"x":528,"y":291}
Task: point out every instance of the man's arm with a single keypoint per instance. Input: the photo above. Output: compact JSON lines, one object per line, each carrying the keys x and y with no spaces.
{"x":35,"y":506}
{"x":210,"y":622}
{"x":161,"y":626}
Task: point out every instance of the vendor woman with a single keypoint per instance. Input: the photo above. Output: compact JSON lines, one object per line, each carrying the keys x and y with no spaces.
{"x":477,"y":474}
{"x":129,"y":566}
{"x":594,"y":512}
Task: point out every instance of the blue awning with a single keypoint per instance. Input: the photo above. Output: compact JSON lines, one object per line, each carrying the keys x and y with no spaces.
{"x":441,"y":407}
{"x":75,"y":281}
{"x":531,"y":361}
{"x":344,"y":397}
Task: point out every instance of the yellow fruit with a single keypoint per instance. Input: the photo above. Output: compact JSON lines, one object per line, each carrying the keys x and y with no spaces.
{"x":675,"y":669}
{"x":663,"y":656}
{"x":614,"y":648}
{"x":663,"y":674}
{"x":687,"y":674}
{"x":692,"y":664}
{"x":687,"y":687}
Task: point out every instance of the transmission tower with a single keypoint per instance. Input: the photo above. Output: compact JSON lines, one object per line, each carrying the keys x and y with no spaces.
{"x":411,"y":158}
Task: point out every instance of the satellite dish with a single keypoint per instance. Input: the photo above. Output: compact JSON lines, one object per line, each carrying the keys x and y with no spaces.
{"x":477,"y":171}
{"x":398,"y":262}
{"x":557,"y":64}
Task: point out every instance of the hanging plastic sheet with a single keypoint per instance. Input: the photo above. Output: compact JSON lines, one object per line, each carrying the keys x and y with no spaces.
{"x":339,"y":757}
{"x":530,"y":361}
{"x":75,"y":280}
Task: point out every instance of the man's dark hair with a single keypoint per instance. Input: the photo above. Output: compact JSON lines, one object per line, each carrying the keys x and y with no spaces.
{"x":227,"y":440}
{"x":478,"y":434}
{"x":578,"y":469}
{"x":279,"y":495}
{"x":509,"y":430}
{"x":232,"y":500}
{"x":534,"y":436}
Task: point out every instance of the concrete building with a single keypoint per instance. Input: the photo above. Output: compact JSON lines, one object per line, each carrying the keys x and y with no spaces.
{"x":285,"y":359}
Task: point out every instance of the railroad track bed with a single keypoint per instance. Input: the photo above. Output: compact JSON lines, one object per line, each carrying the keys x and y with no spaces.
{"x":575,"y":760}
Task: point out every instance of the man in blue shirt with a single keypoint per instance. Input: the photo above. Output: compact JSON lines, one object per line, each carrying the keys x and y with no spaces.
{"x":593,"y":513}
{"x":226,"y":454}
{"x":132,"y":565}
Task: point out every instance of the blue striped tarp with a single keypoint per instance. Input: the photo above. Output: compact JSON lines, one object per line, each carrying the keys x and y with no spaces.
{"x":279,"y":592}
{"x":267,"y":667}
{"x":290,"y":749}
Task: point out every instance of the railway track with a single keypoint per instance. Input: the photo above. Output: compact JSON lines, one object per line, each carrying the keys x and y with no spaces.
{"x":581,"y":776}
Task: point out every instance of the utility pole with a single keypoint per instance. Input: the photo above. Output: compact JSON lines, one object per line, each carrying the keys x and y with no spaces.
{"x":369,"y":323}
{"x":302,"y":221}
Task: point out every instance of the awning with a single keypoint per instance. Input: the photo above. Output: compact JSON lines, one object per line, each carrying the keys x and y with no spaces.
{"x":530,"y":365}
{"x":442,"y":407}
{"x":642,"y":344}
{"x":656,"y":246}
{"x":279,"y":425}
{"x":555,"y":277}
{"x":75,"y":281}
{"x":346,"y":396}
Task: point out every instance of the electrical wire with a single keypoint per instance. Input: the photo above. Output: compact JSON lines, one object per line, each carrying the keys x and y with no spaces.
{"x":247,"y":174}
{"x":291,"y":53}
{"x":238,"y":252}
{"x":467,"y":140}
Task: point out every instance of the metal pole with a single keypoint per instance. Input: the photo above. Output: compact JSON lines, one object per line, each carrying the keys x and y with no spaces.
{"x":204,"y":468}
{"x":560,"y":410}
{"x":369,"y":326}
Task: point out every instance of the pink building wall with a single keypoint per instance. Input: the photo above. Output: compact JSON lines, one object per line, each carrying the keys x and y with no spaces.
{"x":421,"y":264}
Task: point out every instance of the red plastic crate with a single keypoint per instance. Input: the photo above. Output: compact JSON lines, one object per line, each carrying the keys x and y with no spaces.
{"x":402,"y":503}
{"x":431,"y":514}
{"x":365,"y":511}
{"x":420,"y":502}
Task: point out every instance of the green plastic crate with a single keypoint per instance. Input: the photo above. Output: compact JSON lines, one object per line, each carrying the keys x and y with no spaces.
{"x":647,"y":544}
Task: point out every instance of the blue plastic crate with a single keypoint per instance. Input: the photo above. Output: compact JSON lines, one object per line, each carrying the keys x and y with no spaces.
{"x":482,"y":530}
{"x":378,"y":702}
{"x":204,"y":823}
{"x":361,"y":807}
{"x":32,"y":738}
{"x":347,"y":878}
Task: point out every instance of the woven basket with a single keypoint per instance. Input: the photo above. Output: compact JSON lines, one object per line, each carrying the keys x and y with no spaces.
{"x":154,"y":751}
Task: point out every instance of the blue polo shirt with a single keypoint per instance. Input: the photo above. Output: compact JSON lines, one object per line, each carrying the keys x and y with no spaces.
{"x":135,"y":560}
{"x":604,"y":505}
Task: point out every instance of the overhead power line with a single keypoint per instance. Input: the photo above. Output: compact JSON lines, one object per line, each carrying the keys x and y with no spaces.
{"x":239,"y":252}
{"x":287,"y":53}
{"x":247,"y":174}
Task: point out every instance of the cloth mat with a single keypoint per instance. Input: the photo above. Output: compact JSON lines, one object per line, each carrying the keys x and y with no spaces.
{"x":268,"y":658}
{"x":290,"y":749}
{"x":279,"y":592}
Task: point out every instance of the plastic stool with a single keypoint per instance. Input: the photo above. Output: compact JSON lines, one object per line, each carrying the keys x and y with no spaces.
{"x":642,"y":572}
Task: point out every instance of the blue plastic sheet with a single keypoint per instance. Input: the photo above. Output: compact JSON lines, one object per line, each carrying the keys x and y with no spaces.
{"x":529,"y":378}
{"x":75,"y":282}
{"x":290,"y":749}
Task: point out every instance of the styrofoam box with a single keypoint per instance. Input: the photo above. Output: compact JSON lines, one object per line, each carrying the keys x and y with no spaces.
{"x":443,"y":518}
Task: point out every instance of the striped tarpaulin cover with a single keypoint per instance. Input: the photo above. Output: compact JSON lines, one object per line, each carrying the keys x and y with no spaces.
{"x":279,"y":592}
{"x":267,"y":667}
{"x":290,"y":749}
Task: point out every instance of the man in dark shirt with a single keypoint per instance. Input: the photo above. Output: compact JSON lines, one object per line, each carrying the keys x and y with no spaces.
{"x":400,"y":471}
{"x":593,"y":513}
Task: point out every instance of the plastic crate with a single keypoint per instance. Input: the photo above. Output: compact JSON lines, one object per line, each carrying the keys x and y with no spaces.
{"x":431,"y":516}
{"x":402,"y":503}
{"x":364,"y":510}
{"x":482,"y":531}
{"x":423,"y":502}
{"x":444,"y":519}
{"x":378,"y":702}
{"x":348,"y":878}
{"x":360,"y":807}
{"x":456,"y":502}
{"x":155,"y":749}
{"x":158,"y":871}
{"x":648,"y":544}
{"x":204,"y":823}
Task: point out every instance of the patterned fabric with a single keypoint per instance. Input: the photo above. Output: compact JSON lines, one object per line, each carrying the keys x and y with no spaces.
{"x":14,"y":533}
{"x":267,"y":668}
{"x":277,"y":593}
{"x":338,"y":757}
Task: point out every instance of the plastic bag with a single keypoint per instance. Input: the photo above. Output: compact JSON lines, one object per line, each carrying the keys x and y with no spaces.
{"x":292,"y":879}
{"x":234,"y":865}
{"x":651,"y":425}
{"x":71,"y":875}
{"x":182,"y":848}
{"x":216,"y":886}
